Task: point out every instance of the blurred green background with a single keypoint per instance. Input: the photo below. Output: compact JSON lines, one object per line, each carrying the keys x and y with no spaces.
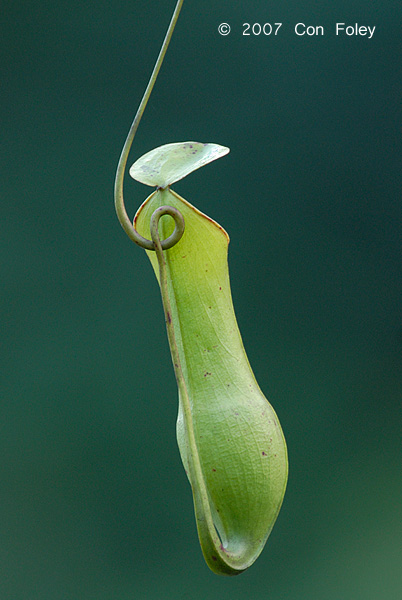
{"x":94,"y":503}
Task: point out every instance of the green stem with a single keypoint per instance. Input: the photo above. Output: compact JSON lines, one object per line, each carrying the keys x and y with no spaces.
{"x":216,"y":556}
{"x":121,"y":167}
{"x":163,"y":282}
{"x":196,"y":475}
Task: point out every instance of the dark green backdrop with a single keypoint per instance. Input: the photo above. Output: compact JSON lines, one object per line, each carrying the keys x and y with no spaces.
{"x":94,"y":503}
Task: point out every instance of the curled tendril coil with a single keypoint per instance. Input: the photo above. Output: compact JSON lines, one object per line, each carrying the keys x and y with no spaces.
{"x":170,"y":241}
{"x":139,"y":239}
{"x":178,"y":230}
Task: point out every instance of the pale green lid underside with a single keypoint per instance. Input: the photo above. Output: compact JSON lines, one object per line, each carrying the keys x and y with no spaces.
{"x":170,"y":163}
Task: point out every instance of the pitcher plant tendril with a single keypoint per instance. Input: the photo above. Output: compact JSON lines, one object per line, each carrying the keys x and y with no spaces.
{"x":229,"y":436}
